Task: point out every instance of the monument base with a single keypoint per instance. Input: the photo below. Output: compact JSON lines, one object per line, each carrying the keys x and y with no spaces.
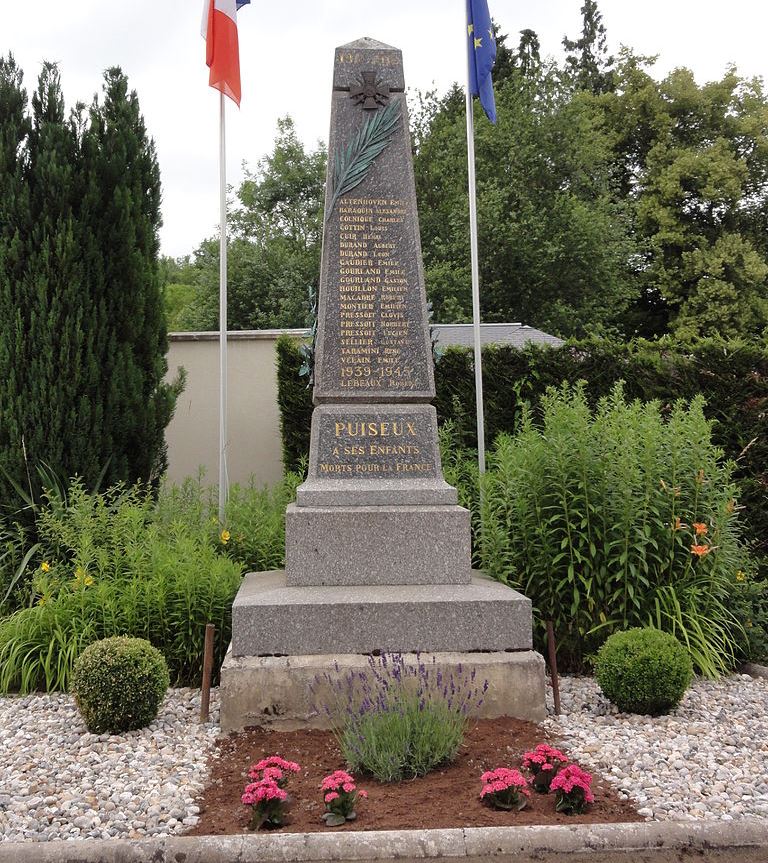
{"x":384,"y":545}
{"x":273,"y":691}
{"x":271,"y":618}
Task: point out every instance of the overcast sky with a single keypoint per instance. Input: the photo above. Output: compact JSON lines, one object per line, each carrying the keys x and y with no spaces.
{"x":286,"y":51}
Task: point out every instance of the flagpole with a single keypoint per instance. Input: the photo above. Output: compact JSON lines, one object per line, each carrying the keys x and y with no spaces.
{"x":223,"y":478}
{"x":475,"y":277}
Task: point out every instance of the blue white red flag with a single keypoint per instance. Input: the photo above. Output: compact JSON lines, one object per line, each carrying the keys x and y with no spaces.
{"x":222,"y":51}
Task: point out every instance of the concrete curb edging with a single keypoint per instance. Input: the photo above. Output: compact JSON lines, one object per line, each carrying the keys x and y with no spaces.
{"x":754,"y":669}
{"x":731,"y":841}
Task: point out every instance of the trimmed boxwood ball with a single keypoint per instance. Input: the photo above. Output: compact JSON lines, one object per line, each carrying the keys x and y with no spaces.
{"x":119,"y":684}
{"x":643,"y":671}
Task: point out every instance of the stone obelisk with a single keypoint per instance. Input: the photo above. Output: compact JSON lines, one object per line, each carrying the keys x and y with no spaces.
{"x":377,"y":550}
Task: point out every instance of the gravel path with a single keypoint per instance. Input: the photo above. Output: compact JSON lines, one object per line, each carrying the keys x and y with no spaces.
{"x":57,"y":781}
{"x":708,"y":759}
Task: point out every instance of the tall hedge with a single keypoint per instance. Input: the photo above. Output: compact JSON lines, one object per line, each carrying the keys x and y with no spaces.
{"x":82,"y":328}
{"x":732,"y":376}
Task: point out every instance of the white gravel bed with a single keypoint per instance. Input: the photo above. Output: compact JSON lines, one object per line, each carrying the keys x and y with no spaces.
{"x":707,"y":759}
{"x":57,"y":781}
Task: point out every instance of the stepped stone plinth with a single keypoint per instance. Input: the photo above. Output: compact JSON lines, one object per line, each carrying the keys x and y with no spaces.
{"x":378,"y":553}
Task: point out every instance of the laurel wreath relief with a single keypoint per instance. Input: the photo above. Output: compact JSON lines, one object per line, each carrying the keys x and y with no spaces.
{"x":352,"y":163}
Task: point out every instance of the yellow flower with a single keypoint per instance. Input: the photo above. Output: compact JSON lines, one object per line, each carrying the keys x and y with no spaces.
{"x":82,"y":579}
{"x":225,"y":536}
{"x":45,"y":566}
{"x":740,"y":576}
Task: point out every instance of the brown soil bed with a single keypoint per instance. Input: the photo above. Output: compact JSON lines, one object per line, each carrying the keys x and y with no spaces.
{"x":448,"y":797}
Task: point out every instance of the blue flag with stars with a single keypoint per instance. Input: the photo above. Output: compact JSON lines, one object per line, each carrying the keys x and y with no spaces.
{"x":482,"y":54}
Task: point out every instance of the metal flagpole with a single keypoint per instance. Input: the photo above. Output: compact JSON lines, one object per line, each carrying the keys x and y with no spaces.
{"x":223,"y":479}
{"x":475,"y":277}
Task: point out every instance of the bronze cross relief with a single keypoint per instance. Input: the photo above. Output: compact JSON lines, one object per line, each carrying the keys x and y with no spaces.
{"x":372,"y":94}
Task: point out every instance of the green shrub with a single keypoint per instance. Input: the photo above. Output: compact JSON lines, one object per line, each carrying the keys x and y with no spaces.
{"x":117,"y":571}
{"x":253,"y":533}
{"x":748,"y":600}
{"x":593,"y":518}
{"x":119,"y":684}
{"x":400,"y":720}
{"x":733,"y":377}
{"x":408,"y":740}
{"x":643,"y":671}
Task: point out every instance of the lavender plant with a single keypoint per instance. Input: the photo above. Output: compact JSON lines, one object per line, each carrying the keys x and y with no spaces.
{"x":401,"y":717}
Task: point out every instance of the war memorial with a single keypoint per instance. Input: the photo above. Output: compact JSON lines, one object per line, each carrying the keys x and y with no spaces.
{"x":377,"y":550}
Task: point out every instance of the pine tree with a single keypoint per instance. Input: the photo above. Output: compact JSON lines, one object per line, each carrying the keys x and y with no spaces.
{"x":121,"y":209}
{"x":82,"y":346}
{"x":588,"y":62}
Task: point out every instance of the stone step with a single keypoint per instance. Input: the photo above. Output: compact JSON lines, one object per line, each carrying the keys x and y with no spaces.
{"x":289,"y":692}
{"x":270,"y":618}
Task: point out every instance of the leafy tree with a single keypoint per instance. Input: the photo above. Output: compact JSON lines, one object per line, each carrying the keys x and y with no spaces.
{"x":554,"y":241}
{"x":274,"y":256}
{"x":693,"y":162}
{"x":587,"y":62}
{"x":179,"y":288}
{"x":82,"y":351}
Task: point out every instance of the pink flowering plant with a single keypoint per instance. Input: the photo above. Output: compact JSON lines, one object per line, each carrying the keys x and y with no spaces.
{"x":340,"y":795}
{"x":504,"y":789}
{"x":274,"y":768}
{"x":543,"y":763}
{"x":266,"y":795}
{"x":572,"y":788}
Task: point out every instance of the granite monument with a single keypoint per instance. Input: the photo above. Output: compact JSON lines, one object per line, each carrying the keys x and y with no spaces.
{"x":377,"y":549}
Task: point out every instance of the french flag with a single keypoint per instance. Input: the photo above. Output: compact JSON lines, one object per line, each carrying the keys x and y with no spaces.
{"x":222,"y":53}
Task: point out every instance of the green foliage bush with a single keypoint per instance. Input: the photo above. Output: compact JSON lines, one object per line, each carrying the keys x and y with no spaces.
{"x":253,"y":532}
{"x":404,"y":742}
{"x":398,"y":720}
{"x":643,"y":671}
{"x":593,"y":517}
{"x":115,"y":570}
{"x":119,"y":684}
{"x":748,"y":600}
{"x":732,"y":377}
{"x":294,"y":399}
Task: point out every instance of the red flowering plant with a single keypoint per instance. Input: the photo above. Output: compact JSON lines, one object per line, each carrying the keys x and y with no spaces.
{"x":543,"y":762}
{"x":266,"y":795}
{"x":340,"y":795}
{"x":572,"y":787}
{"x":504,"y":789}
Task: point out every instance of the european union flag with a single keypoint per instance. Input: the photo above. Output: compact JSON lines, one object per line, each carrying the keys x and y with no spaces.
{"x":482,"y":54}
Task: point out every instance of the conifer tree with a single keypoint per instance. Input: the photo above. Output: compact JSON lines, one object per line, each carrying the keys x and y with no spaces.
{"x":121,"y":214}
{"x":82,"y":346}
{"x":587,"y":61}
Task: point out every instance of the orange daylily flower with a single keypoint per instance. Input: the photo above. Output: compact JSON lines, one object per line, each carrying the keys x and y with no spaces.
{"x":700,"y":550}
{"x":700,"y":528}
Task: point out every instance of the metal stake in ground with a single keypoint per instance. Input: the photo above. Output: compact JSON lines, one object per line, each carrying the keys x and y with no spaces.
{"x":552,"y":651}
{"x":205,"y":686}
